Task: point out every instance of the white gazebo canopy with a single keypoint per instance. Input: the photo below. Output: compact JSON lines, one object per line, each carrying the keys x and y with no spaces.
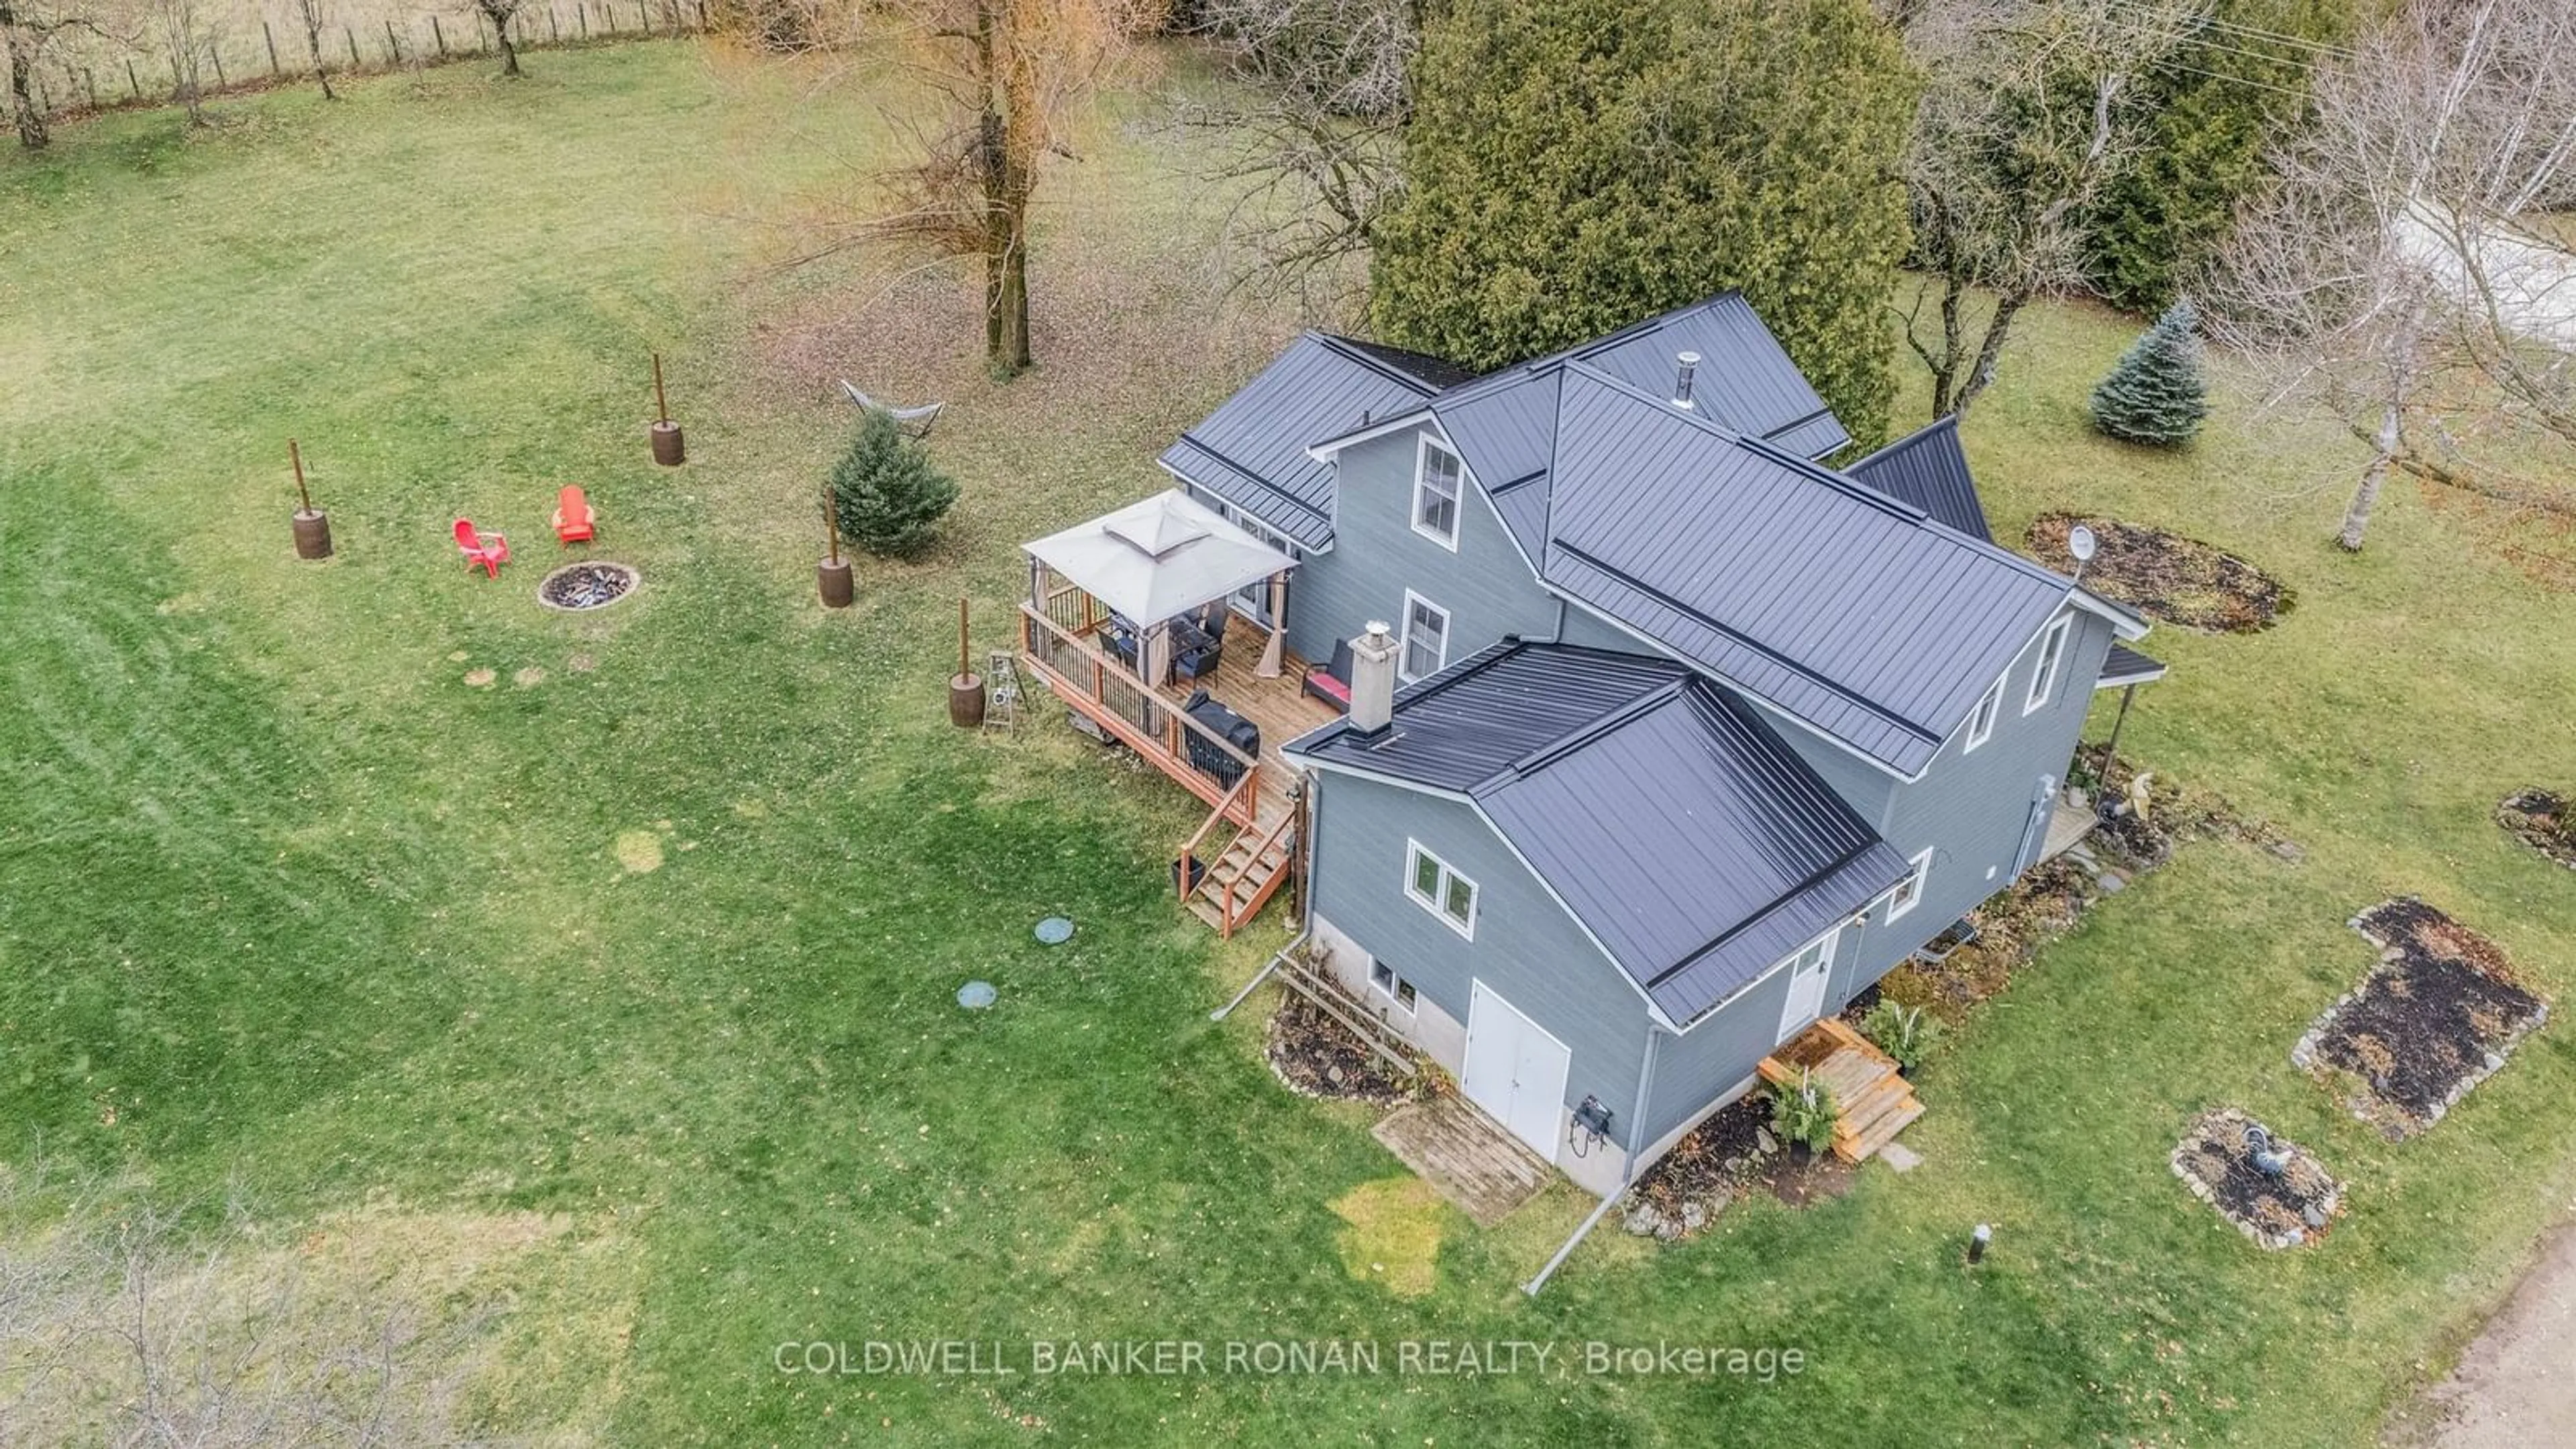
{"x":1156,"y":558}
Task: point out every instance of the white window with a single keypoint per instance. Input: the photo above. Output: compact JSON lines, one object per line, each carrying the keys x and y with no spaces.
{"x":1437,"y":477}
{"x":1426,"y":638}
{"x":1981,"y":725}
{"x":1386,"y":983}
{"x":1438,"y":889}
{"x":1909,"y":891}
{"x":2052,"y":659}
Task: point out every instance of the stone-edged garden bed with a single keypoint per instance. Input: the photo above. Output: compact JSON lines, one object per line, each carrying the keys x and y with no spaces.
{"x":2542,"y":820}
{"x":2165,"y":575}
{"x":2218,"y":1160}
{"x":2440,"y":1013}
{"x":1316,"y":1056}
{"x":1729,"y":1154}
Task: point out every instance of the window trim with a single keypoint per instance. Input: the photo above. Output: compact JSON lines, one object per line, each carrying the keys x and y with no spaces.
{"x":1989,"y":711}
{"x":1394,"y":988}
{"x":1423,"y":447}
{"x":1414,"y":855}
{"x":2052,"y":663}
{"x":1404,"y":640}
{"x":1920,"y":877}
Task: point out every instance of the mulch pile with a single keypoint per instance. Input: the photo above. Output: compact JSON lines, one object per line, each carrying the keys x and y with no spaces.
{"x":1319,"y":1057}
{"x":2542,"y":821}
{"x":2216,"y":1162}
{"x":1721,"y":1159}
{"x":2438,"y":1015}
{"x":2165,"y":575}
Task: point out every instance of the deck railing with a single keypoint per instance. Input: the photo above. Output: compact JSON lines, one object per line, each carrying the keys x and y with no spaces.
{"x":1114,"y":697}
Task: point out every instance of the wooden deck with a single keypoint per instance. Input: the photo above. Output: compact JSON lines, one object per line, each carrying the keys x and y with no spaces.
{"x":1280,"y":706}
{"x":1466,"y":1156}
{"x":1876,"y":1103}
{"x":2067,"y":824}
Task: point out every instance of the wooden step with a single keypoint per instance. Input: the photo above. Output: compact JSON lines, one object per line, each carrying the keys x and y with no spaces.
{"x":1863,"y":1113}
{"x":1880,"y":1133}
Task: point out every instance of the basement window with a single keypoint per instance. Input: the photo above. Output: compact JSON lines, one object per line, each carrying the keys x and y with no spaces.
{"x":1387,"y":983}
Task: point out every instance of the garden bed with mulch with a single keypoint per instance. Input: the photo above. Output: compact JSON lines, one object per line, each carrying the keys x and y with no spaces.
{"x":2543,"y":821}
{"x":1317,"y":1056}
{"x":1726,"y":1156}
{"x":2165,"y":575}
{"x":2216,"y":1160}
{"x":2440,"y":1013}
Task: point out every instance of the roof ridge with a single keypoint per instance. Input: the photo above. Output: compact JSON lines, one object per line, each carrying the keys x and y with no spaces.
{"x":1947,"y":422}
{"x":1348,"y":348}
{"x":1592,"y":731}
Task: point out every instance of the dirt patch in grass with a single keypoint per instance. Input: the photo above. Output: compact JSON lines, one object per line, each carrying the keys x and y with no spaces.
{"x":1319,"y":1057}
{"x":2216,"y":1160}
{"x":1729,"y":1154}
{"x":1393,"y":1234}
{"x":2165,"y":575}
{"x":2543,"y":821}
{"x":2439,"y":1014}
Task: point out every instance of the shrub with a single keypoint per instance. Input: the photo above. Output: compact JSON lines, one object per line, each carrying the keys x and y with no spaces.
{"x":1805,"y":1114}
{"x":885,"y":495}
{"x":2156,"y":395}
{"x":1903,"y":1032}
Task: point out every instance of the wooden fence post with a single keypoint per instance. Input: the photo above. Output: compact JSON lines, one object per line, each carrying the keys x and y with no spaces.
{"x":393,"y":42}
{"x":353,"y":46}
{"x":271,"y":37}
{"x":217,"y":57}
{"x":581,"y":16}
{"x":554,"y":27}
{"x":438,"y":35}
{"x":644,"y":14}
{"x":130,"y":80}
{"x":89,"y":78}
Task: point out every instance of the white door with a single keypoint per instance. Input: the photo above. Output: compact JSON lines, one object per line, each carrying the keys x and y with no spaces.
{"x":1808,"y":973}
{"x":1515,"y":1071}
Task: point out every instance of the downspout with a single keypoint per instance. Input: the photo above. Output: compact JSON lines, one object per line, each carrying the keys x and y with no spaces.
{"x":1306,"y":929}
{"x":1627,"y":1169}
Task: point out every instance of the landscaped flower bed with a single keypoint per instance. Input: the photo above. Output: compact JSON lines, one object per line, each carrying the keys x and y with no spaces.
{"x":2439,"y":1014}
{"x":2165,"y":575}
{"x":2217,"y":1160}
{"x":2543,"y":821}
{"x":1319,"y":1057}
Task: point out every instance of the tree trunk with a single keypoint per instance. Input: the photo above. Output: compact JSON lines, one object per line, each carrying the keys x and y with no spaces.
{"x":2356,"y":518}
{"x":32,"y":132}
{"x":509,"y":53}
{"x":1991,"y":349}
{"x":313,"y":41}
{"x":1011,"y":309}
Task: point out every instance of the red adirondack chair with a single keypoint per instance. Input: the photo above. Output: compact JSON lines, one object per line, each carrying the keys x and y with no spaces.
{"x":491,"y":553}
{"x":573,"y":519}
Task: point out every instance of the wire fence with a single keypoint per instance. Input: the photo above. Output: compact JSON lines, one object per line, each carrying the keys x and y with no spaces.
{"x":261,"y":51}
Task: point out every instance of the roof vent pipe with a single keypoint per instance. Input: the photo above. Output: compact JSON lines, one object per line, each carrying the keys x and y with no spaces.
{"x":1688,"y":365}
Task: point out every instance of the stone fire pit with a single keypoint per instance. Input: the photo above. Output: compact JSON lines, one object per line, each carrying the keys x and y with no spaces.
{"x":588,"y":585}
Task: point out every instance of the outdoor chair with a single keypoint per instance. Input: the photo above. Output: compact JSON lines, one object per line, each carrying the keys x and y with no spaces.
{"x":491,"y":553}
{"x":1200,"y":648}
{"x":573,"y":519}
{"x":1333,"y":685}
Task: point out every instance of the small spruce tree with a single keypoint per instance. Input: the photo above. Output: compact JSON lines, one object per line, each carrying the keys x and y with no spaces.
{"x":2156,"y":394}
{"x":888,"y":498}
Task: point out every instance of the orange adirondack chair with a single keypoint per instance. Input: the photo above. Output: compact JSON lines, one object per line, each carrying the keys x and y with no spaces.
{"x":573,"y":519}
{"x":491,"y":553}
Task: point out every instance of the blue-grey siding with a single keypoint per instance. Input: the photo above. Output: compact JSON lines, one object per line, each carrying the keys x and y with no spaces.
{"x":1487,"y":588}
{"x":1526,"y":947}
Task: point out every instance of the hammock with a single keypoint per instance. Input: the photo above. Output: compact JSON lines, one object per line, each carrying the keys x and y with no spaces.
{"x":916,"y":421}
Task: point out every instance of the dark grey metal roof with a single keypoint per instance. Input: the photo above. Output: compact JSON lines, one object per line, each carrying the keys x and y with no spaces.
{"x":1745,"y":381}
{"x":1929,"y":470}
{"x":2125,"y":665}
{"x":1843,"y":607}
{"x":1432,"y":372}
{"x":1252,"y":450}
{"x":1671,"y":820}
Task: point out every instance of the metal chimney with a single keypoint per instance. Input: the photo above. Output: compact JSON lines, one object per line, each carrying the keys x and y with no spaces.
{"x":1688,"y":365}
{"x":1373,"y":679}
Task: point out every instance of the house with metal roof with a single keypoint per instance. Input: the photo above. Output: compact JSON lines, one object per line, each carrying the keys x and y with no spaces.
{"x":1651,"y":738}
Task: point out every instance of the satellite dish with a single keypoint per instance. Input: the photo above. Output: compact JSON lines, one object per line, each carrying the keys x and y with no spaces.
{"x":2081,"y":543}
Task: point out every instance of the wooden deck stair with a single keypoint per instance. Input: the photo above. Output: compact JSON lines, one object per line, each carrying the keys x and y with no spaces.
{"x":1244,"y":875}
{"x":1876,"y":1102}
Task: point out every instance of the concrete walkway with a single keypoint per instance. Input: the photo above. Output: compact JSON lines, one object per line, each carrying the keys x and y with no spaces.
{"x":2516,"y":1385}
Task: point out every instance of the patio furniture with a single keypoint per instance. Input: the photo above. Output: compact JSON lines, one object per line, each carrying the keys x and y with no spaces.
{"x":1233,"y":728}
{"x":1195,"y":651}
{"x":490,"y":553}
{"x":1118,"y":636}
{"x":573,"y":519}
{"x":1332,"y":685}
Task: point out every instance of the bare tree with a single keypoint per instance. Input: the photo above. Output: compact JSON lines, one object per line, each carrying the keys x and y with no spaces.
{"x":2409,"y":270}
{"x":2028,"y":107}
{"x":315,"y":14}
{"x":498,"y":14}
{"x":186,"y":34}
{"x":1010,"y":74}
{"x":1317,"y":113}
{"x":27,"y":28}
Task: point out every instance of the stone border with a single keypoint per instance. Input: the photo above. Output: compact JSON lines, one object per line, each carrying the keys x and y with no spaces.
{"x":634,"y":585}
{"x":2201,"y":1129}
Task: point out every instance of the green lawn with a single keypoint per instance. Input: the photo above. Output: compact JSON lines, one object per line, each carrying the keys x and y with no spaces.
{"x":290,"y":914}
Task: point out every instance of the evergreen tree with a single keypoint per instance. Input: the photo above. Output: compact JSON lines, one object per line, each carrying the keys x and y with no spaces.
{"x":885,"y":495}
{"x":2156,"y":394}
{"x":1573,"y":166}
